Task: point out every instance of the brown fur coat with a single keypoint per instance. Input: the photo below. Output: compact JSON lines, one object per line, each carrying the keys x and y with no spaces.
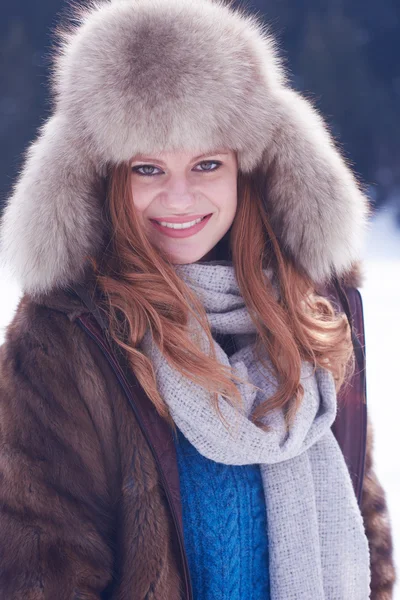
{"x":82,"y":509}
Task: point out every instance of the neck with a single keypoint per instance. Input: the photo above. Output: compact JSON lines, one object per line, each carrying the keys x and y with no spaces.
{"x":211,"y":255}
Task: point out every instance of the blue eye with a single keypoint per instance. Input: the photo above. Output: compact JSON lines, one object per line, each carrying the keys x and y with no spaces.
{"x":137,"y":168}
{"x":210,"y":162}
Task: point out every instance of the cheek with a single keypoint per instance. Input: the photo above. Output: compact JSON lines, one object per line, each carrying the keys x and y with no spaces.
{"x":225,"y":195}
{"x":141,"y":196}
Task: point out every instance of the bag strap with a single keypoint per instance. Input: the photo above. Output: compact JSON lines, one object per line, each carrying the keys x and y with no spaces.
{"x":88,"y":299}
{"x":358,"y":348}
{"x":350,"y":426}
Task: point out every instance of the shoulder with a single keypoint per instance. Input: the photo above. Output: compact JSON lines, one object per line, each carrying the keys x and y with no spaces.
{"x":56,"y":398}
{"x":46,"y":360}
{"x":41,"y":334}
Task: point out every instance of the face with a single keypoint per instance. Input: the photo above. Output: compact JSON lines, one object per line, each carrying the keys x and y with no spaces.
{"x":181,"y":187}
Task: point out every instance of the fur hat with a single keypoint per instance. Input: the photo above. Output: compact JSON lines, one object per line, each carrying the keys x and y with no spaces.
{"x":148,"y":75}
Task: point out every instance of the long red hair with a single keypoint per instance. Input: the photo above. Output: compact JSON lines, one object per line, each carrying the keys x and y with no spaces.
{"x":141,"y":289}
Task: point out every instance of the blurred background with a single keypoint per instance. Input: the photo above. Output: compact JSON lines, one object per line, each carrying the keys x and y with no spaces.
{"x":345,"y":57}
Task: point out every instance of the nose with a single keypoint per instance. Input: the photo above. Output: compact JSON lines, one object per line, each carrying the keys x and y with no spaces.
{"x":178,"y":198}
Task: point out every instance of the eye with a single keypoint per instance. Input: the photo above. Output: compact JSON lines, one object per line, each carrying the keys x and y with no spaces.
{"x":146,"y":173}
{"x":210,"y":162}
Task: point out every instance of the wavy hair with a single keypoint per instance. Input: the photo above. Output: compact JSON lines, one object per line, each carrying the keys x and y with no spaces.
{"x":140,"y":289}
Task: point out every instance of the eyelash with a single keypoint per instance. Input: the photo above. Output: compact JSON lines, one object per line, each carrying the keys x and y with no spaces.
{"x":136,"y":168}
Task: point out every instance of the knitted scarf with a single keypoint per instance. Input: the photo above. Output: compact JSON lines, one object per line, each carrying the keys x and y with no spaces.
{"x":318,"y":547}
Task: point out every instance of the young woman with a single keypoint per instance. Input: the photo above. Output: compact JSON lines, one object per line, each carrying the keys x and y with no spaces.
{"x":168,"y":392}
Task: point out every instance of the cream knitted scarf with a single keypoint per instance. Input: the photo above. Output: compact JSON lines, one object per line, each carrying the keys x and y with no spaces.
{"x":318,"y":548}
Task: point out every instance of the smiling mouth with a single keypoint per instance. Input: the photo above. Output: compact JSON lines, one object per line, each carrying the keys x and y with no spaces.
{"x":182,"y":219}
{"x":180,"y":230}
{"x":179,"y":224}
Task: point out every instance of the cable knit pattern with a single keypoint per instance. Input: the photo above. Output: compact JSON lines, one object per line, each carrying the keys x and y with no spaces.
{"x":225,"y":526}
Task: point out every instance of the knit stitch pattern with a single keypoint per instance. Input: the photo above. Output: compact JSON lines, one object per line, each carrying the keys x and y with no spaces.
{"x":225,"y":526}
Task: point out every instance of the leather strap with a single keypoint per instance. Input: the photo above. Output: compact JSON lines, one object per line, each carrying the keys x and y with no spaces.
{"x":350,"y":426}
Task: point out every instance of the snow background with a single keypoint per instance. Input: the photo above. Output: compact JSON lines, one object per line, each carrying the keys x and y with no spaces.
{"x":381,"y":301}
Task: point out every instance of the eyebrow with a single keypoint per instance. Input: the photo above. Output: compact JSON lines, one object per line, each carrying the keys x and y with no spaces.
{"x":218,"y":151}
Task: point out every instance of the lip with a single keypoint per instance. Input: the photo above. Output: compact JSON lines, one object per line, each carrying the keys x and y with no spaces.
{"x":182,"y":233}
{"x":182,"y":219}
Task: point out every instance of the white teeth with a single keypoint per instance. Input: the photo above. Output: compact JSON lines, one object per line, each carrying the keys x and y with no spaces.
{"x":179,"y":225}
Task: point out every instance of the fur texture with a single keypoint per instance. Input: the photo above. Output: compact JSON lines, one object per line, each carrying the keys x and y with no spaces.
{"x":79,"y":481}
{"x":377,"y":527}
{"x":147,"y":75}
{"x":81,"y":504}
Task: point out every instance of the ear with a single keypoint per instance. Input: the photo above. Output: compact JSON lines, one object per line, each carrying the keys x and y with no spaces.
{"x":52,"y":220}
{"x":314,"y":202}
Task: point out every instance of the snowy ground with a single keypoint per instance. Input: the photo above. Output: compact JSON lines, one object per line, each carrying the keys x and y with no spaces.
{"x":381,"y":300}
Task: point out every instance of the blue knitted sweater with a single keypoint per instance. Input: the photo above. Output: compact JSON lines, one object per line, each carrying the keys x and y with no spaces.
{"x":225,"y":529}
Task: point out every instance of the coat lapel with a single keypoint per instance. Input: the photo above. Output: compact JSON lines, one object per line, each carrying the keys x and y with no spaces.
{"x":156,"y":430}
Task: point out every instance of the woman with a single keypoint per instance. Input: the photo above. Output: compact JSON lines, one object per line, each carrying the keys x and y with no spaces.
{"x":176,"y":441}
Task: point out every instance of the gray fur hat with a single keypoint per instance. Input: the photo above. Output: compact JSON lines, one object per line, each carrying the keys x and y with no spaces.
{"x":148,"y":75}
